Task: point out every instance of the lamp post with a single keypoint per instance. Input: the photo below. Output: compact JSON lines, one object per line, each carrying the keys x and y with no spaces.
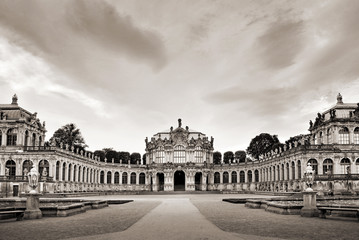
{"x":309,"y":178}
{"x":32,"y":202}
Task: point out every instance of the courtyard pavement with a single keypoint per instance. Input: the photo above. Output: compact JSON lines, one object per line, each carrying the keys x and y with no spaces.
{"x":193,"y":216}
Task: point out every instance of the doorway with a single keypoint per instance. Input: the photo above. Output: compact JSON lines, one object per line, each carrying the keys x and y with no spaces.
{"x":198,"y":181}
{"x":179,"y":181}
{"x":160,"y":181}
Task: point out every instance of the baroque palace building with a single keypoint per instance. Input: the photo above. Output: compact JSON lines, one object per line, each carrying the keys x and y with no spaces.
{"x":181,"y":159}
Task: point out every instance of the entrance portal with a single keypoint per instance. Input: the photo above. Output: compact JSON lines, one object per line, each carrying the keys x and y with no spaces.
{"x":198,"y":181}
{"x":160,"y":181}
{"x":179,"y":181}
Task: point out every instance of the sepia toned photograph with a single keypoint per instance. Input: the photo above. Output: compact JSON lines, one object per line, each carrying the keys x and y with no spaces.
{"x":179,"y":119}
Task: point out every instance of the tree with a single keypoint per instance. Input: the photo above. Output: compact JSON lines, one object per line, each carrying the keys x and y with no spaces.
{"x":261,"y":144}
{"x":135,"y":157}
{"x":124,"y":156}
{"x":70,"y":135}
{"x":228,"y":157}
{"x":101,"y":154}
{"x":240,"y":156}
{"x":111,"y":154}
{"x":217,"y":157}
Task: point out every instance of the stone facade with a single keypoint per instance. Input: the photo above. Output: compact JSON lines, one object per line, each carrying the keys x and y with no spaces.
{"x":182,"y":159}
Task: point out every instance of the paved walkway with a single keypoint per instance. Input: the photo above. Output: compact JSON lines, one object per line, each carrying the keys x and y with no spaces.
{"x":175,"y":218}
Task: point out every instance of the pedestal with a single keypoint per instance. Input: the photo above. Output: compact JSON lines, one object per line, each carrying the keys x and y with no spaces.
{"x":32,"y":207}
{"x":309,"y":204}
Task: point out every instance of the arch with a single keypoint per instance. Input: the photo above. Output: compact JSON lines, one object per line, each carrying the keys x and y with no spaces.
{"x":124,"y":178}
{"x":249,"y":174}
{"x":133,"y":178}
{"x":26,"y":138}
{"x":356,"y":135}
{"x":256,"y":175}
{"x":11,"y":137}
{"x":282,"y":172}
{"x":108,"y":177}
{"x":179,"y":181}
{"x":142,"y":178}
{"x":83,"y":174}
{"x":69,"y":172}
{"x":299,"y":169}
{"x":293,"y":170}
{"x":344,"y":135}
{"x":26,"y":167}
{"x":345,"y":165}
{"x":287,"y":170}
{"x":242,"y":177}
{"x":217,"y":177}
{"x":87,"y":175}
{"x":57,"y":169}
{"x":234,"y":177}
{"x":225,"y":177}
{"x":117,"y":178}
{"x":102,"y":177}
{"x":160,"y":181}
{"x":44,"y":167}
{"x":34,"y":139}
{"x":328,"y":166}
{"x":10,"y":165}
{"x":198,"y":181}
{"x":179,"y":155}
{"x":314,"y":163}
{"x":63,"y":171}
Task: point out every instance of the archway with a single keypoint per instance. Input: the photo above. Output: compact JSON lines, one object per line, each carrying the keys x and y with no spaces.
{"x":179,"y":181}
{"x":160,"y":181}
{"x":198,"y":181}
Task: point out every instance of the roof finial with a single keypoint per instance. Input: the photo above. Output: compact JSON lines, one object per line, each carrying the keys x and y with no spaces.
{"x":179,"y":122}
{"x":14,"y":100}
{"x":339,"y":99}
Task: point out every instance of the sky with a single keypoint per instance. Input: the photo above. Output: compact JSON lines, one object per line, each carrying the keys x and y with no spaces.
{"x":125,"y":70}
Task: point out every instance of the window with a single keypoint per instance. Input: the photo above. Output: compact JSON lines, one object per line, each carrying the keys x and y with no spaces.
{"x":345,"y":163}
{"x":11,"y":137}
{"x":356,"y":135}
{"x":225,"y":177}
{"x":142,"y":178}
{"x":109,"y":175}
{"x":26,"y":165}
{"x":11,"y":166}
{"x":44,"y":164}
{"x":299,"y":170}
{"x":124,"y":178}
{"x":293,"y":170}
{"x":117,"y":178}
{"x":242,"y":177}
{"x":198,"y":155}
{"x":256,"y":176}
{"x":328,"y":166}
{"x":133,"y":178}
{"x":344,"y":136}
{"x":217,"y":177}
{"x":63,"y":171}
{"x":57,"y":170}
{"x":234,"y":177}
{"x":102,"y":177}
{"x":179,"y":154}
{"x":249,"y":176}
{"x":314,"y":165}
{"x":160,"y":155}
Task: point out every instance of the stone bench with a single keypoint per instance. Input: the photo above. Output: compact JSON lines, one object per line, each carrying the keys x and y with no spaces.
{"x":19,"y":214}
{"x":324,"y":210}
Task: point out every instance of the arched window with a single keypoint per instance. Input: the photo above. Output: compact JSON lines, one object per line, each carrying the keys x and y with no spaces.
{"x":133,"y":178}
{"x":109,"y":176}
{"x":242,"y":177}
{"x":84,"y":173}
{"x":102,"y":177}
{"x":299,"y":169}
{"x":124,"y":178}
{"x":329,"y":136}
{"x":198,"y":154}
{"x":26,"y":139}
{"x":293,"y":170}
{"x":328,"y":166}
{"x":160,"y":155}
{"x":26,"y":167}
{"x":217,"y":177}
{"x":40,"y":140}
{"x":33,"y":139}
{"x":179,"y":154}
{"x":44,"y":167}
{"x":11,"y":137}
{"x":225,"y":177}
{"x":356,"y":135}
{"x":256,"y":175}
{"x":88,"y":175}
{"x":69,"y":172}
{"x":234,"y":177}
{"x":314,"y":165}
{"x":117,"y":178}
{"x":11,"y":166}
{"x":249,"y":176}
{"x":57,"y":170}
{"x":142,"y":178}
{"x":345,"y":165}
{"x":344,"y":136}
{"x":63,"y":171}
{"x":282,"y":172}
{"x":287,"y":170}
